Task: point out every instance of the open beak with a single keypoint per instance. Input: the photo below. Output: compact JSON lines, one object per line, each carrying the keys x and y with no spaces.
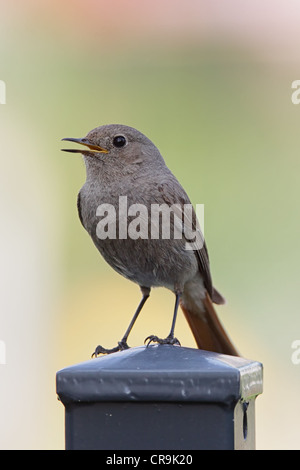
{"x":92,"y":147}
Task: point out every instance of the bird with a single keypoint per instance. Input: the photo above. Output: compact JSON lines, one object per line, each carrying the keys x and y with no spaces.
{"x":124,"y":165}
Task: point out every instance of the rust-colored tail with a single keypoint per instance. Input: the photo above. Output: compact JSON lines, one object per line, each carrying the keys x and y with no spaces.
{"x":207,"y":328}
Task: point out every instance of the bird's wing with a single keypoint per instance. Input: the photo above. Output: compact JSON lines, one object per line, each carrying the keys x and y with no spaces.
{"x":173,"y":194}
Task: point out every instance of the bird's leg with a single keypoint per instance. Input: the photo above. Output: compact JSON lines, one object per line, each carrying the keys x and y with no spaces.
{"x":170,"y":339}
{"x":122,"y":345}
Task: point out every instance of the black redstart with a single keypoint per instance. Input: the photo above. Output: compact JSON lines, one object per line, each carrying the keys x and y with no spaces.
{"x":141,"y":220}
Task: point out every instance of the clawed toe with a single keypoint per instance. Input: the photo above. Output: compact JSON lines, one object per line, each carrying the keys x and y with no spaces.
{"x":122,"y":345}
{"x":155,"y":339}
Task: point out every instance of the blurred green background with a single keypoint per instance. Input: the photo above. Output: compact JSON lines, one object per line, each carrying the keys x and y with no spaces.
{"x":210,"y":83}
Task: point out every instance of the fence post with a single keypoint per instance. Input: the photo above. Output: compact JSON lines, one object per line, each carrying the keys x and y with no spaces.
{"x":160,"y":397}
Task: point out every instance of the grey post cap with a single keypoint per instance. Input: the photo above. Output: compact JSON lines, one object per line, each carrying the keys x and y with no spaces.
{"x":161,"y":373}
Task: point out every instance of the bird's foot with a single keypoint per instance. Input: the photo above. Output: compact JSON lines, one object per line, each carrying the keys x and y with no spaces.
{"x":155,"y":339}
{"x":122,"y":345}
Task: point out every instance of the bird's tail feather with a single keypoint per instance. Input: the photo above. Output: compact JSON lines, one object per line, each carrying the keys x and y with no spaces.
{"x":207,"y":329}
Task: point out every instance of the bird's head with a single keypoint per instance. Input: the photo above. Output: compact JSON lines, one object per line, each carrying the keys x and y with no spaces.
{"x":119,"y":144}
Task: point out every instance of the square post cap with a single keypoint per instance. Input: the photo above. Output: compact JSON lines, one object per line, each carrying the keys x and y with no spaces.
{"x":161,"y":373}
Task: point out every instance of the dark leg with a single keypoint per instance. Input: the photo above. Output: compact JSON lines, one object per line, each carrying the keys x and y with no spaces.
{"x":123,"y":343}
{"x":170,"y":339}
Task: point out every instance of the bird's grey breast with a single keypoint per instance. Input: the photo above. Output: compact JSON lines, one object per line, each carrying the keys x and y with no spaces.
{"x":143,"y":259}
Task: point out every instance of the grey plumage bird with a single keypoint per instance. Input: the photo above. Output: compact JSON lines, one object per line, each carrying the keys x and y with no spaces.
{"x":122,"y":162}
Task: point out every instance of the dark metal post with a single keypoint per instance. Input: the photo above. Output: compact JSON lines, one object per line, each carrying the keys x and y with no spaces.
{"x":160,"y":397}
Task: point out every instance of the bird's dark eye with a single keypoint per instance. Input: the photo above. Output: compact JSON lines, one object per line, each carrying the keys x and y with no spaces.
{"x":119,"y":141}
